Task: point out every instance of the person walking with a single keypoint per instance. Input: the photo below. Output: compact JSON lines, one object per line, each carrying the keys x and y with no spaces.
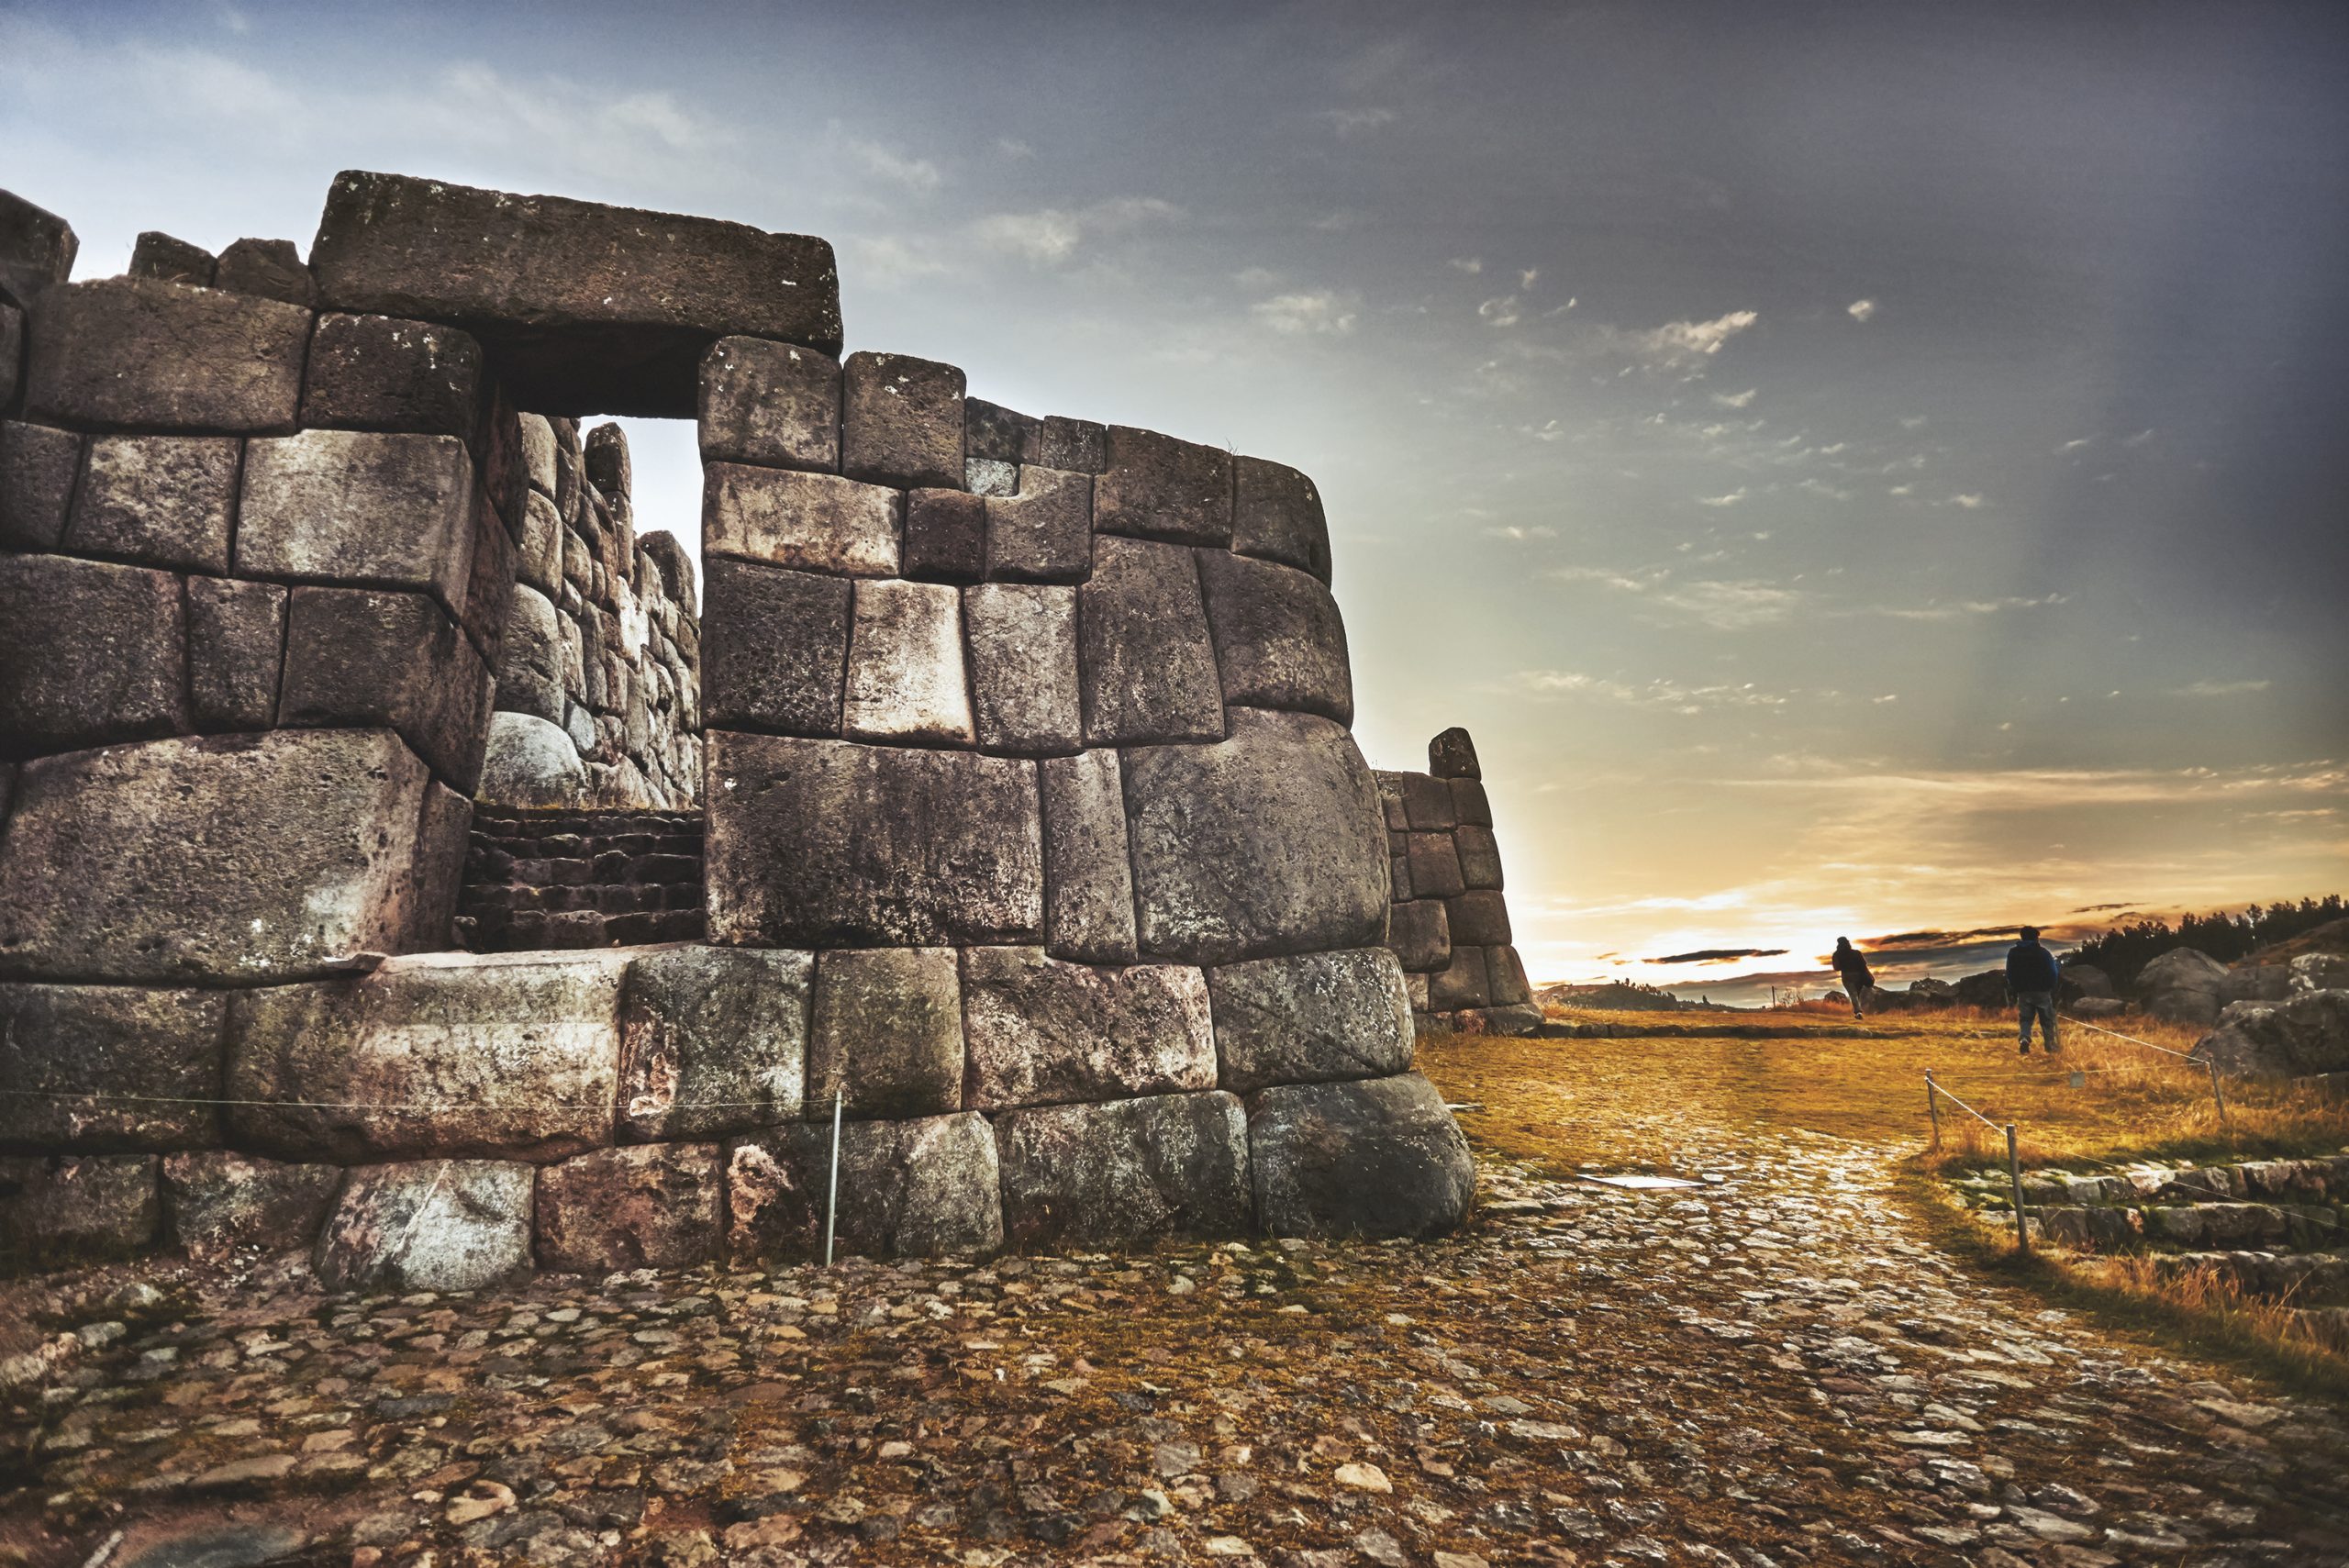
{"x":1852,"y":968}
{"x":2031,"y":980}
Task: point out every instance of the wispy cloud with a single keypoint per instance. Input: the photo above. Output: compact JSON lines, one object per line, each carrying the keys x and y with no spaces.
{"x":1676,"y":345}
{"x":919,"y":175}
{"x":1049,"y":236}
{"x":1970,"y":502}
{"x":2221,"y":688}
{"x":1662,"y":695}
{"x":1731,"y":499}
{"x":1353,"y":122}
{"x":1471,"y":265}
{"x":888,"y":262}
{"x":1318,"y":312}
{"x":1501,"y":312}
{"x":1736,"y":399}
{"x":1860,"y":309}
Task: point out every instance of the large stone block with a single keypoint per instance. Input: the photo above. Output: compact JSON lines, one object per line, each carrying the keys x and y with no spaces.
{"x":1378,"y":1158}
{"x":1479,"y":918}
{"x":816,"y":522}
{"x":1505,"y":976}
{"x":1463,"y":983}
{"x":1469,"y":805}
{"x":165,"y":501}
{"x":89,"y":652}
{"x":1277,"y":514}
{"x":1435,"y":866}
{"x":1088,"y":875}
{"x":37,"y":469}
{"x":530,"y":671}
{"x":925,"y":1188}
{"x":887,"y":1034}
{"x":37,"y":247}
{"x":541,"y":458}
{"x":992,"y":432}
{"x":393,"y":511}
{"x":1043,"y":533}
{"x":537,"y":556}
{"x":777,"y":657}
{"x":1043,"y":1031}
{"x":12,"y":351}
{"x":217,"y":1204}
{"x":827,"y":843}
{"x":713,"y":1040}
{"x":432,"y":1225}
{"x":770,"y":403}
{"x":1145,"y":656}
{"x":1023,"y":667}
{"x":901,"y":421}
{"x":513,"y":1055}
{"x":236,"y":645}
{"x":109,"y":1067}
{"x":529,"y":763}
{"x":1312,"y":1017}
{"x":53,"y":1209}
{"x":1420,"y":935}
{"x":1480,"y":856}
{"x":946,"y":536}
{"x":583,"y":308}
{"x":905,"y":679}
{"x":356,"y":658}
{"x":1427,"y":803}
{"x":1076,"y":445}
{"x":1453,"y":755}
{"x":2300,"y":1038}
{"x":1279,"y":641}
{"x":1158,"y":487}
{"x":649,"y":1206}
{"x":378,"y":373}
{"x":1265,"y":844}
{"x":168,"y":259}
{"x":132,"y":353}
{"x":1125,"y":1174}
{"x":270,"y":268}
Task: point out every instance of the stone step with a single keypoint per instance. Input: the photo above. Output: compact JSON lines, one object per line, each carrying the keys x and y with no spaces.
{"x":570,"y":880}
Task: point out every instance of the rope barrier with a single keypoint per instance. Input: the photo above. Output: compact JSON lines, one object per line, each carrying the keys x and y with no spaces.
{"x":2132,"y":1040}
{"x":418,"y":1107}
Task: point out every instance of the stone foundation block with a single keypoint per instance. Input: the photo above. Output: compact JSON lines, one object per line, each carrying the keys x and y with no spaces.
{"x":925,"y":1188}
{"x":236,"y":646}
{"x":1479,"y":918}
{"x":1504,"y":975}
{"x":901,"y":421}
{"x":1043,"y":1031}
{"x":650,"y":1205}
{"x":1024,"y":681}
{"x":1464,"y":983}
{"x":905,"y":678}
{"x":270,"y":268}
{"x":391,"y":511}
{"x":1277,"y":514}
{"x":1088,"y":875}
{"x":133,"y":352}
{"x":946,"y":536}
{"x":713,"y":1040}
{"x":37,"y":469}
{"x":816,"y":522}
{"x":217,"y":1204}
{"x":55,"y":1209}
{"x":887,"y":1034}
{"x":1157,"y":487}
{"x":358,"y":658}
{"x":379,"y":373}
{"x":1043,"y":532}
{"x":89,"y":652}
{"x":166,"y":501}
{"x":1310,"y":1018}
{"x":770,"y":403}
{"x":432,"y":1225}
{"x":1376,"y":1158}
{"x":777,"y":656}
{"x":1126,"y":1172}
{"x":1146,"y":657}
{"x":1420,"y":935}
{"x":132,"y":1052}
{"x":1279,"y":641}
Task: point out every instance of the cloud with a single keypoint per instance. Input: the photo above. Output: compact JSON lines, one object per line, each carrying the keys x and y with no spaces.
{"x":1350,"y":122}
{"x":1736,"y":399}
{"x":1860,"y":309}
{"x":2139,"y":440}
{"x":1320,"y":312}
{"x":1660,"y":695}
{"x":1471,"y":265}
{"x":1521,"y":532}
{"x":1525,"y":279}
{"x":1731,"y":499}
{"x":1972,"y":502}
{"x":1718,"y":955}
{"x":2221,"y":688}
{"x":1501,"y":312}
{"x":919,"y":175}
{"x":1963,"y":608}
{"x":1731,"y":605}
{"x":1052,"y":235}
{"x":1011,"y":147}
{"x":886,"y":261}
{"x":1676,"y":345}
{"x":2073,"y":446}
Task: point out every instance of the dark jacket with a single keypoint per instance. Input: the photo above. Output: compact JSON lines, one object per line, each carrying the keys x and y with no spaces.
{"x":1854,"y":968}
{"x":2029,"y":967}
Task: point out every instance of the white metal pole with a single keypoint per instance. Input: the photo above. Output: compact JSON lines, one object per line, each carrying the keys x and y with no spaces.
{"x":833,"y":1200}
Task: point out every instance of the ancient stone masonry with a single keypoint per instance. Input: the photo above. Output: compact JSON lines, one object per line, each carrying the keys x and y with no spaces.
{"x":1450,"y":925}
{"x":1034,"y":832}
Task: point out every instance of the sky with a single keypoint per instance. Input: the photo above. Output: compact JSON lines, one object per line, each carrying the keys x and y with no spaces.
{"x":1856,"y":470}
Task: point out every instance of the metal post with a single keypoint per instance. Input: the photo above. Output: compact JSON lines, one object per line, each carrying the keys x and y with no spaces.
{"x":833,"y":1200}
{"x":2220,"y":1095}
{"x":1933,"y":1108}
{"x":2014,"y":1176}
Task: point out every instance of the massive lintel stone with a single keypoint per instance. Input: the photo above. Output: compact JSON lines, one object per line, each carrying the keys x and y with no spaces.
{"x":925,"y":1188}
{"x":713,"y":1040}
{"x":1122,"y":1173}
{"x":649,"y":1206}
{"x":37,"y":247}
{"x":109,"y":1067}
{"x":583,"y":308}
{"x":134,"y":353}
{"x":1376,"y":1158}
{"x":510,"y":1055}
{"x":89,"y":652}
{"x":1279,"y":641}
{"x":1312,"y":1017}
{"x":1043,"y":1031}
{"x":257,"y":859}
{"x":1265,"y":844}
{"x":829,"y":843}
{"x":432,"y":1225}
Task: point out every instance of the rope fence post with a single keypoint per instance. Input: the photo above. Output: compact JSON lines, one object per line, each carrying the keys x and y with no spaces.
{"x":832,"y":1198}
{"x":2014,"y":1176}
{"x":1932,"y":1107}
{"x":2220,"y":1095}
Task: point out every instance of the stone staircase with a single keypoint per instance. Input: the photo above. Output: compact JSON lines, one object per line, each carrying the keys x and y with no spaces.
{"x":581,"y":879}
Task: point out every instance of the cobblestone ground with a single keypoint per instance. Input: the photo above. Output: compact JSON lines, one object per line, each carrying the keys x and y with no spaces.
{"x":1768,"y":1368}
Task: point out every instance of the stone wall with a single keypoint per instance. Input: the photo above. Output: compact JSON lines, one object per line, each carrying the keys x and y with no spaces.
{"x":1450,"y":926}
{"x":580,"y":879}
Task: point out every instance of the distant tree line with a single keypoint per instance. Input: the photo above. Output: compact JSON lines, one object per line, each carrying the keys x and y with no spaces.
{"x":2124,"y":951}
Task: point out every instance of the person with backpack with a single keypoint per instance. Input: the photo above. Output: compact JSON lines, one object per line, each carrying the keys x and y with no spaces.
{"x":2032,"y":974}
{"x":1852,"y":968}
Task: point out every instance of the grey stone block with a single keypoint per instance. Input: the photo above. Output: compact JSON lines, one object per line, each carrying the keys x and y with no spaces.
{"x":1420,"y":935}
{"x":1125,"y":1174}
{"x":359,"y":659}
{"x":529,"y":763}
{"x":906,"y":677}
{"x":217,"y":1204}
{"x":713,"y":1040}
{"x":166,"y":501}
{"x":167,"y":259}
{"x":901,"y":421}
{"x":777,"y":654}
{"x":1078,"y":446}
{"x":379,"y":373}
{"x":12,"y":352}
{"x":1469,"y":805}
{"x":1505,"y":977}
{"x":773,"y":404}
{"x":1453,"y":755}
{"x":236,"y":644}
{"x":1279,"y":641}
{"x":53,"y":1209}
{"x":489,"y":584}
{"x":990,"y":476}
{"x":1044,"y":532}
{"x":89,"y":652}
{"x":816,"y":522}
{"x":887,"y":1034}
{"x":37,"y":247}
{"x":1463,"y":983}
{"x":827,"y":843}
{"x":270,"y":268}
{"x":1023,"y":667}
{"x":1480,"y":920}
{"x":1145,"y":655}
{"x":1435,"y":866}
{"x":1265,"y":844}
{"x":37,"y":469}
{"x":1043,"y":1031}
{"x":1480,"y":856}
{"x":164,"y":357}
{"x":1427,"y":803}
{"x":650,"y":1205}
{"x":927,"y":1189}
{"x":1277,"y":514}
{"x":97,"y":1068}
{"x":585,"y":308}
{"x":991,"y":430}
{"x":1088,"y":877}
{"x":946,"y":536}
{"x":391,"y":511}
{"x":1379,"y":1158}
{"x":530,"y":671}
{"x":1157,"y":487}
{"x":1310,"y":1018}
{"x":433,"y":1225}
{"x":541,"y":458}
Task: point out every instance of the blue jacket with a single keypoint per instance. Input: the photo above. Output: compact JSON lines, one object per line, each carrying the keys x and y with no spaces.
{"x":2029,"y":967}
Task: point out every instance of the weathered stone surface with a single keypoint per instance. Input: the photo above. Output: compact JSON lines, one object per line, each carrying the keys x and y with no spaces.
{"x":1427,"y":803}
{"x":518,"y":1055}
{"x":905,"y":679}
{"x":89,"y":652}
{"x":391,"y":511}
{"x":270,"y":268}
{"x":1464,"y":983}
{"x":1023,"y":667}
{"x":925,"y":1188}
{"x":1145,"y":655}
{"x":528,"y":761}
{"x":1157,"y":487}
{"x":1435,"y":866}
{"x":133,"y":1051}
{"x":170,"y":259}
{"x":1088,"y":876}
{"x":583,"y":308}
{"x":1279,"y":641}
{"x":1452,"y":755}
{"x":530,"y":671}
{"x":946,"y":536}
{"x":713,"y":1040}
{"x":37,"y":247}
{"x":1310,"y":1018}
{"x":37,"y":468}
{"x":1044,"y":532}
{"x":1277,"y":514}
{"x":901,"y":421}
{"x":356,"y":658}
{"x":1505,"y":977}
{"x":1263,"y":844}
{"x":1480,"y":920}
{"x":2313,"y":972}
{"x":165,"y":357}
{"x":1043,"y":1031}
{"x":2182,"y":969}
{"x":990,"y":476}
{"x":541,"y":458}
{"x":379,"y":373}
{"x":235,"y":642}
{"x":676,"y":569}
{"x":1420,"y":935}
{"x":1078,"y":446}
{"x":2299,"y":1038}
{"x":991,"y":430}
{"x":648,"y":1206}
{"x":1123,"y":1173}
{"x":97,"y":1205}
{"x":1480,"y":856}
{"x":776,"y":658}
{"x":774,"y":404}
{"x":216,"y":1202}
{"x":1469,"y":805}
{"x":827,"y":843}
{"x":432,"y":1225}
{"x":816,"y":522}
{"x":12,"y":351}
{"x":1376,"y":1158}
{"x":157,"y":500}
{"x":887,"y":1033}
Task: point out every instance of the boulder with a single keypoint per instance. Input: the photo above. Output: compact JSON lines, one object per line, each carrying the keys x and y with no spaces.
{"x":56,"y":1209}
{"x":1310,"y":1018}
{"x":713,"y":1040}
{"x":217,"y":1203}
{"x":1023,"y":667}
{"x":1380,"y":1157}
{"x":774,"y":404}
{"x":513,"y":1055}
{"x":2256,"y":983}
{"x":946,"y":536}
{"x":1043,"y":1031}
{"x":2182,"y":969}
{"x":2184,"y":1006}
{"x":1986,"y":990}
{"x":1043,"y":532}
{"x":1088,"y":872}
{"x":134,"y":353}
{"x":2319,"y":971}
{"x":110,"y":1068}
{"x":2083,"y":980}
{"x":901,"y":421}
{"x":2300,"y":1038}
{"x":1125,"y":1172}
{"x":37,"y":468}
{"x":167,"y":500}
{"x":646,"y":1205}
{"x":2098,"y":1006}
{"x":887,"y":1034}
{"x":1145,"y":655}
{"x":431,"y":1225}
{"x":90,"y":652}
{"x":1279,"y":641}
{"x":236,"y":646}
{"x":925,"y":1188}
{"x":529,"y":763}
{"x":777,"y":654}
{"x":816,"y":522}
{"x":391,"y":511}
{"x":905,"y":678}
{"x":1277,"y":514}
{"x":1160,"y":488}
{"x":1077,"y":446}
{"x":359,"y":658}
{"x":379,"y":373}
